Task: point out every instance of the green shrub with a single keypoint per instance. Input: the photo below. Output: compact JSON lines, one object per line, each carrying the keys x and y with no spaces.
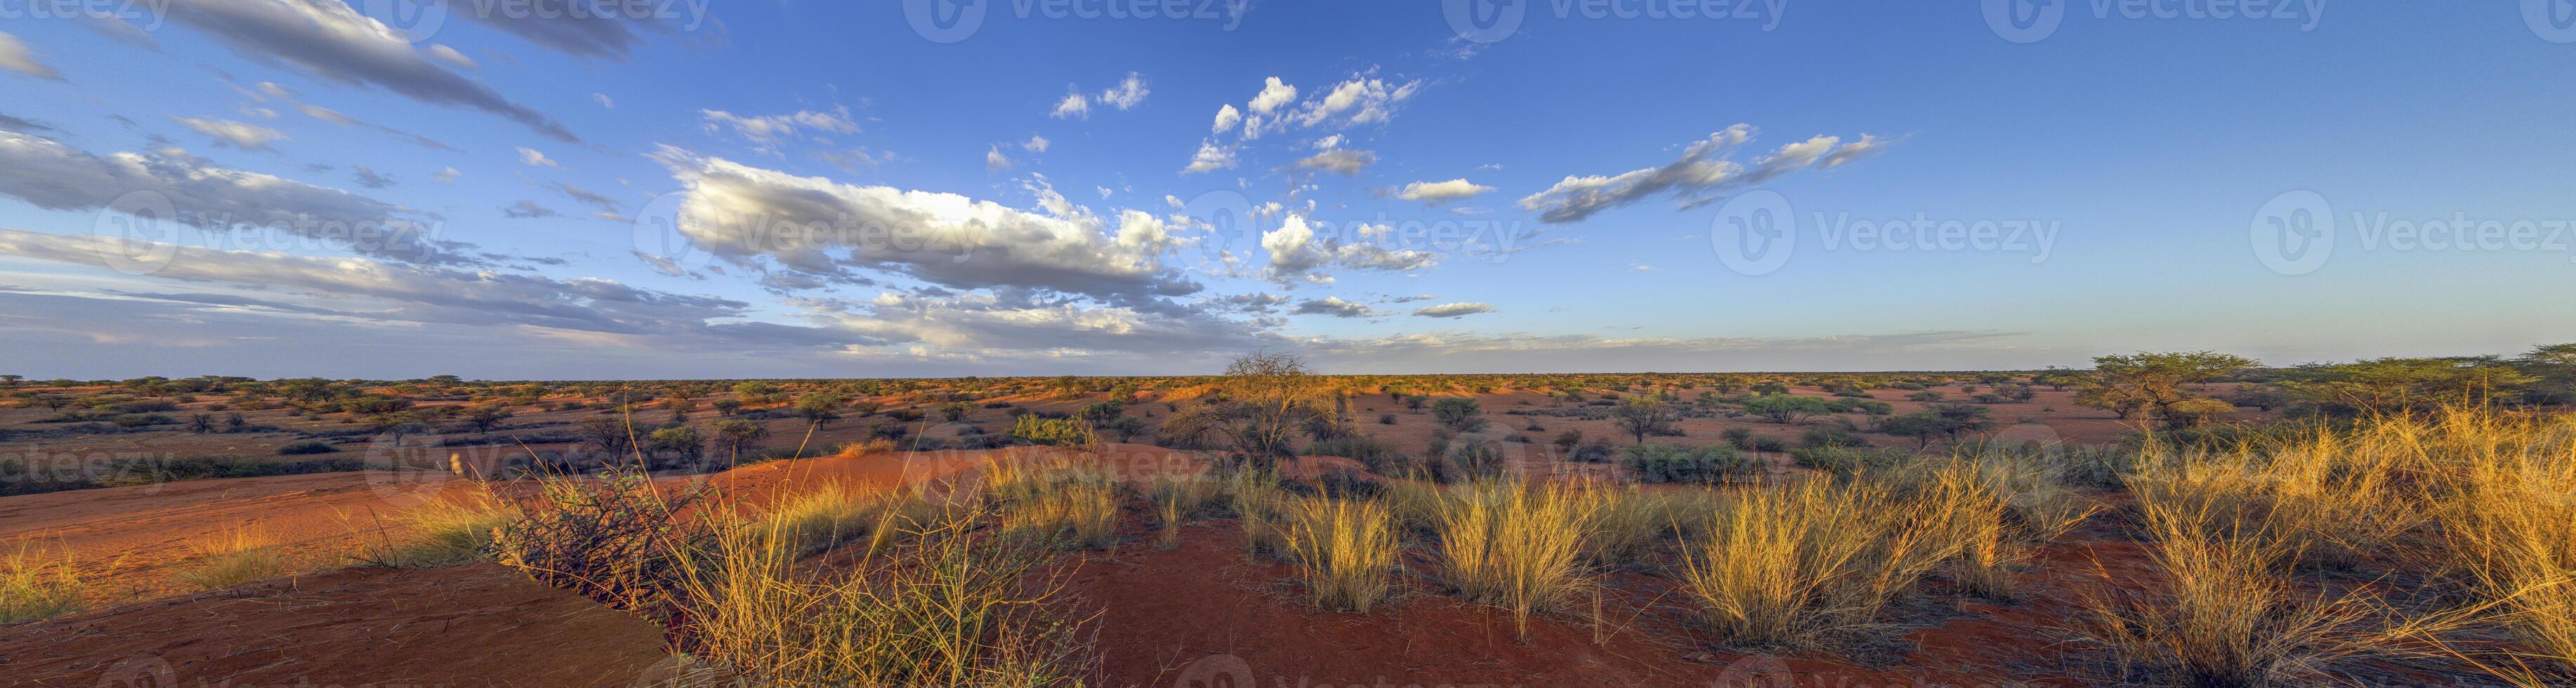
{"x":1059,"y":432}
{"x":303,"y":447}
{"x":1664,"y":463}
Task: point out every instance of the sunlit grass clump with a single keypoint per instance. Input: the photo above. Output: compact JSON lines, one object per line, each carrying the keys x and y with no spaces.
{"x":240,"y":557}
{"x":1516,"y":546}
{"x":36,"y":585}
{"x":1346,"y":550}
{"x":442,"y":532}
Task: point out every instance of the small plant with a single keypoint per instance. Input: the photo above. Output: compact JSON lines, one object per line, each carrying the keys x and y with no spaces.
{"x":1177,"y":498}
{"x":440,"y":533}
{"x":34,"y":586}
{"x":613,"y":540}
{"x":1346,"y":550}
{"x":241,"y":557}
{"x":1515,"y":546}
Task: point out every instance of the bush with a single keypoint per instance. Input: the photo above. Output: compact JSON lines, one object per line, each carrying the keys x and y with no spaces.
{"x":35,"y":586}
{"x":1664,"y":463}
{"x":1059,"y":432}
{"x":1460,"y":414}
{"x":1849,"y":460}
{"x":304,"y":447}
{"x":1377,"y":456}
{"x":617,"y":540}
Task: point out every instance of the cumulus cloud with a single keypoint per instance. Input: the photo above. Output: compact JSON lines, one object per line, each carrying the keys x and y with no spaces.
{"x":1341,"y":160}
{"x":446,"y":175}
{"x":1363,"y":99}
{"x":47,"y":174}
{"x":15,"y":56}
{"x":1074,"y":106}
{"x":1704,"y":174}
{"x":1129,"y":93}
{"x":1036,"y":144}
{"x":1226,"y":118}
{"x":1336,"y":307}
{"x":1441,"y":192}
{"x":1211,"y":157}
{"x":530,"y":157}
{"x":1453,"y":310}
{"x":1297,"y":252}
{"x":231,"y":134}
{"x":1274,"y":93}
{"x":331,"y":41}
{"x":736,"y":211}
{"x":995,"y":161}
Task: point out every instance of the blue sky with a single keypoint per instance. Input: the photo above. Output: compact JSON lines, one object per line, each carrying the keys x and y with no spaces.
{"x":1048,"y":190}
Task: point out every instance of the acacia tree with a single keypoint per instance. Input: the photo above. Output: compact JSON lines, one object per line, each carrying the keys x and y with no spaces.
{"x":1644,"y":415}
{"x":1274,"y":397}
{"x":2136,"y":385}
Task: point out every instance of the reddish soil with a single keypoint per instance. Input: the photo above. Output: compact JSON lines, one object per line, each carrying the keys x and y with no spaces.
{"x":470,"y":626}
{"x":1199,"y":614}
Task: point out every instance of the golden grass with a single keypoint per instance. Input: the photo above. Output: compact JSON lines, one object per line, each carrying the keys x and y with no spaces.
{"x":241,"y":557}
{"x":1177,"y":498}
{"x":2229,"y":617}
{"x":834,"y":514}
{"x":1798,"y":563}
{"x":1516,"y":546}
{"x":1345,"y":549}
{"x":1257,"y":503}
{"x":444,"y":532}
{"x":2511,"y":524}
{"x":1056,"y":503}
{"x":34,"y":585}
{"x":952,"y":607}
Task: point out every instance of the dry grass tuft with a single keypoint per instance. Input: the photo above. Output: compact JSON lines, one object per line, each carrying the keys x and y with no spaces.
{"x":1346,"y":549}
{"x":1516,"y":546}
{"x":1801,"y":563}
{"x":445,"y":532}
{"x":242,"y":557}
{"x":1178,"y":498}
{"x":953,"y":607}
{"x":34,"y":586}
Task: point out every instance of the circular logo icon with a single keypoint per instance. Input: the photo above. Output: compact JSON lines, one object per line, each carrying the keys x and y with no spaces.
{"x":1757,"y":671}
{"x":945,"y":21}
{"x":141,"y":671}
{"x":1216,"y":671}
{"x":659,"y":241}
{"x":416,"y":21}
{"x":1227,"y":216}
{"x":1485,"y":21}
{"x":1755,"y":232}
{"x":2294,"y":233}
{"x":2552,"y":20}
{"x":409,"y":463}
{"x":2025,"y":21}
{"x":137,"y":233}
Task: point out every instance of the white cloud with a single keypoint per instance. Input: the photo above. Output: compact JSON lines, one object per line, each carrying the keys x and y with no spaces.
{"x":1226,"y":118}
{"x":1274,"y":93}
{"x":1297,"y":252}
{"x":1453,"y":310}
{"x":228,"y":133}
{"x":47,"y":174}
{"x":532,"y":158}
{"x":1336,"y":307}
{"x":1129,"y":93}
{"x":332,"y":41}
{"x":771,"y":128}
{"x":1036,"y":144}
{"x":446,"y":175}
{"x":1210,"y":157}
{"x":1344,"y":161}
{"x":1074,"y":106}
{"x":450,"y":56}
{"x":995,"y":161}
{"x":1441,"y":192}
{"x":1703,"y":175}
{"x":954,"y":241}
{"x":15,"y":56}
{"x":604,"y":100}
